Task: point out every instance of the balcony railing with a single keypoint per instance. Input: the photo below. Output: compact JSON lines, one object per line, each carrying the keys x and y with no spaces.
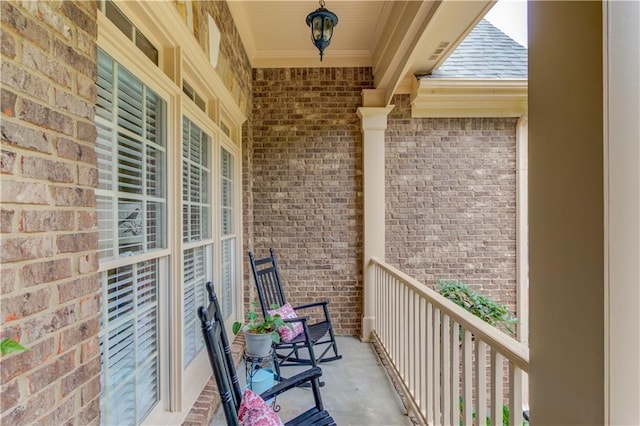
{"x":454,"y":367}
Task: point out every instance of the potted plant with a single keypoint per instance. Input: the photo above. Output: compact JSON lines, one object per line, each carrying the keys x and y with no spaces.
{"x":260,"y":334}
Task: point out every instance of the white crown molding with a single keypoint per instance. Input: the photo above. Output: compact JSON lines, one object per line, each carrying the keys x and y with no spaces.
{"x":311,"y":58}
{"x":434,"y":97}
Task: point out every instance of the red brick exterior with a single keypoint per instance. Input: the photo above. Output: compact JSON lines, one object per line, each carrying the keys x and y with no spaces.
{"x":50,"y":289}
{"x":307,"y":184}
{"x":450,"y":192}
{"x":451,"y":200}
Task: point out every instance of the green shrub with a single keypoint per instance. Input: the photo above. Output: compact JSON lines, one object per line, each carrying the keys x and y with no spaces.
{"x":484,"y":308}
{"x":505,"y":415}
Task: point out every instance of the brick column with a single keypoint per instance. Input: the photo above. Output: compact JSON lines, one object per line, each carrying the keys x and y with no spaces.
{"x":374,"y":123}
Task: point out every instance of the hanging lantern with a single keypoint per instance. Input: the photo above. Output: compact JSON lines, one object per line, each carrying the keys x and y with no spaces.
{"x":321,"y":21}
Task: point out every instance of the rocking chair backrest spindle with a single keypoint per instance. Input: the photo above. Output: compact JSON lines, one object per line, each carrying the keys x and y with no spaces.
{"x":268,"y":283}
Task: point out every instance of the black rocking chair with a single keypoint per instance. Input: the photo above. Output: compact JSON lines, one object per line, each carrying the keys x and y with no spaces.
{"x":217,"y":344}
{"x":270,"y":292}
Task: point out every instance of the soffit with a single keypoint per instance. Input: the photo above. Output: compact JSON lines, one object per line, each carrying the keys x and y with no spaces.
{"x":275,"y":34}
{"x":396,"y":38}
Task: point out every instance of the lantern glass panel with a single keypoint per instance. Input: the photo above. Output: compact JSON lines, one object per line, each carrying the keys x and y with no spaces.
{"x":328,"y":29}
{"x":316,"y":28}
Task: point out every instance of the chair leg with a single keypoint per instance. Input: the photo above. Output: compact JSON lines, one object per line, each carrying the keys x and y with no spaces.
{"x":330,"y":345}
{"x":293,"y":356}
{"x":331,"y":335}
{"x":276,"y":364}
{"x":333,"y":342}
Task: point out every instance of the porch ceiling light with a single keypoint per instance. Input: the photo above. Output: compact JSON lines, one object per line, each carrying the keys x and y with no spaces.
{"x":321,"y":21}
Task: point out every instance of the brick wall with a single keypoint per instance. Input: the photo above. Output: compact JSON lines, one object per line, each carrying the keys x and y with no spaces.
{"x":307,"y":184}
{"x":450,"y":192}
{"x":451,"y":200}
{"x":50,"y":289}
{"x":231,"y":48}
{"x":247,"y":207}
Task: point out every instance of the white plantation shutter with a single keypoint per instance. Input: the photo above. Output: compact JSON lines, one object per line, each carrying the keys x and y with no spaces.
{"x":226,"y":203}
{"x":196,"y":220}
{"x":131,"y":206}
{"x":194,"y":297}
{"x":131,"y":156}
{"x":129,"y":343}
{"x":227,"y":275}
{"x":195,"y":182}
{"x":228,"y":243}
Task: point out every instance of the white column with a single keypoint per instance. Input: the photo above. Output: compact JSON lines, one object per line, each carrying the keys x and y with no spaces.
{"x":522,"y":239}
{"x":522,"y":227}
{"x":374,"y":123}
{"x":566,"y":213}
{"x":622,"y":212}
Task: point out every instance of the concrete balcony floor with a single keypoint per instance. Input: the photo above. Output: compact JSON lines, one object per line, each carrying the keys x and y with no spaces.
{"x":357,"y":390}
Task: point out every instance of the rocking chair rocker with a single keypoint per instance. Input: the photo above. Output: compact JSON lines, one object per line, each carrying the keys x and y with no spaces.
{"x":270,"y":292}
{"x":217,"y":344}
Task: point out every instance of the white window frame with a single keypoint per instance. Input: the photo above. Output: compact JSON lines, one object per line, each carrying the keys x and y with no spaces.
{"x":236,"y":234}
{"x":180,"y":57}
{"x":192,"y":378}
{"x":152,"y":78}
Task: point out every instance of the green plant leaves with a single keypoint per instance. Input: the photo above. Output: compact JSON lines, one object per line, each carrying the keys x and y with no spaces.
{"x":505,"y":415}
{"x":488,"y":310}
{"x":8,"y":346}
{"x":236,"y":327}
{"x":270,"y":324}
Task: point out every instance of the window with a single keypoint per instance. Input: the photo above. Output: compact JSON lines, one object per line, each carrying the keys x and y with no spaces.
{"x":194,"y":96}
{"x":129,"y":343}
{"x":194,"y":297}
{"x":228,"y":243}
{"x":165,"y":183}
{"x":131,"y":162}
{"x":114,"y":14}
{"x":131,"y":204}
{"x":196,"y":219}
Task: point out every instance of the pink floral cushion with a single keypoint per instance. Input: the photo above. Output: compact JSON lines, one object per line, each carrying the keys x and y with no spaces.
{"x":254,"y":411}
{"x":286,"y":312}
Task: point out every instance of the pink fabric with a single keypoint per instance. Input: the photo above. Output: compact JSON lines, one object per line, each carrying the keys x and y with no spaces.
{"x":286,"y":312}
{"x":254,"y":411}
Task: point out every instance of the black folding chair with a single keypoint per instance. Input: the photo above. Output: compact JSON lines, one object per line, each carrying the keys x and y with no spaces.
{"x":224,"y":371}
{"x":270,"y":292}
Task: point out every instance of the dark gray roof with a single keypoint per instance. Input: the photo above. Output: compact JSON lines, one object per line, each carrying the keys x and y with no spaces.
{"x":487,"y":52}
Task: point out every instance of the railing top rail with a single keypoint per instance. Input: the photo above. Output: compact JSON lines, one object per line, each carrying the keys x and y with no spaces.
{"x":506,"y":345}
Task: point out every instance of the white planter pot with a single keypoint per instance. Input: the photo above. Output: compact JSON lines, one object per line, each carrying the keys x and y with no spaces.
{"x":257,"y":345}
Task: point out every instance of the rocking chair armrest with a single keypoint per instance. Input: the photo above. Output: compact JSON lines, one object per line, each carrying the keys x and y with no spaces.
{"x":292,"y":382}
{"x":305,"y":330}
{"x":324,"y":303}
{"x":298,"y":319}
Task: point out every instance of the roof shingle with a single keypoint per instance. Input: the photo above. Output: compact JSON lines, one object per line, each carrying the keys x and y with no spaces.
{"x":487,"y":52}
